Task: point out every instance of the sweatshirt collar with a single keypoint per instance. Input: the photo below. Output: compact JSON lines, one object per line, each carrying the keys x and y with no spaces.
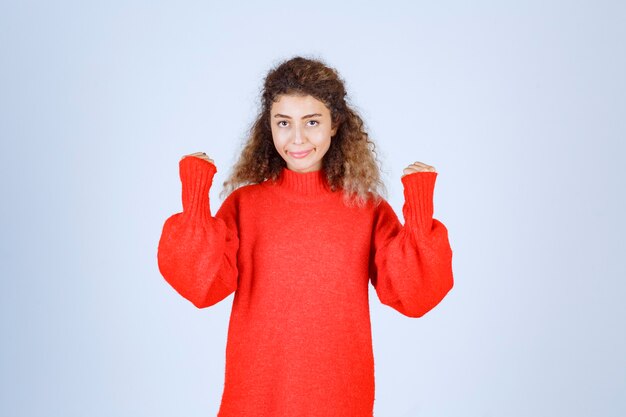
{"x":303,"y":183}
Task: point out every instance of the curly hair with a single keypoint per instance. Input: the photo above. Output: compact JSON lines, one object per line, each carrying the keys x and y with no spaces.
{"x":350,"y":163}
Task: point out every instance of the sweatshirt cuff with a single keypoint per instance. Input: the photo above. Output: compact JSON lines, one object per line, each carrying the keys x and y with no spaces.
{"x":196,"y":175}
{"x":418,"y":208}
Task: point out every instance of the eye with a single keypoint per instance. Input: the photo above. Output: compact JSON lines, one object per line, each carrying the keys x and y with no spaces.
{"x":282,"y":121}
{"x":314,"y":121}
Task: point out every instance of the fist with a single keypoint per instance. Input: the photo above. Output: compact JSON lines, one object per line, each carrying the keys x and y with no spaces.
{"x":417,"y":167}
{"x":200,"y":155}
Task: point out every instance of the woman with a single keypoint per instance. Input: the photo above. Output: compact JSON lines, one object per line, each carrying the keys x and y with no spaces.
{"x":298,"y":239}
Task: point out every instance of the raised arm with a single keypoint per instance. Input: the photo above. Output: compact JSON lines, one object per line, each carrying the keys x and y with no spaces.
{"x":197,"y":253}
{"x":411,"y":265}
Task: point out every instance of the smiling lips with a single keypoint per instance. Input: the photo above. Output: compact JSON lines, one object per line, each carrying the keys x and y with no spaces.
{"x":300,"y":154}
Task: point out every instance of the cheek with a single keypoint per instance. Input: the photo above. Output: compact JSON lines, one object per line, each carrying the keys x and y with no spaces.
{"x":322,"y":139}
{"x":279,"y":140}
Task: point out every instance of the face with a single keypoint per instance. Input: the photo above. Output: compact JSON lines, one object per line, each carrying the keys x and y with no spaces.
{"x":301,"y":130}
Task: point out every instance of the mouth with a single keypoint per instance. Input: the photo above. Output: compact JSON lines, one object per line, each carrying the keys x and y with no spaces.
{"x":300,"y":154}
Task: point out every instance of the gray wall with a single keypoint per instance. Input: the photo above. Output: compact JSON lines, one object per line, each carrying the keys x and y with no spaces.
{"x":519,"y":106}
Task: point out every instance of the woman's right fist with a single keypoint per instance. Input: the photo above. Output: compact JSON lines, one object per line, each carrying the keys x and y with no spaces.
{"x":200,"y":155}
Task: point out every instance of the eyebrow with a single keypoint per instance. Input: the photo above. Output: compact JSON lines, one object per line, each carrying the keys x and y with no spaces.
{"x":303,"y":117}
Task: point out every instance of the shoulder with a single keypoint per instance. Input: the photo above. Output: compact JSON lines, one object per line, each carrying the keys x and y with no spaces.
{"x":244,"y":194}
{"x":235,"y":203}
{"x":377,"y":203}
{"x":383,"y":212}
{"x":248,"y":191}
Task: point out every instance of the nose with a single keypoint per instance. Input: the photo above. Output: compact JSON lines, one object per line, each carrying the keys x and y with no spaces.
{"x":298,"y":136}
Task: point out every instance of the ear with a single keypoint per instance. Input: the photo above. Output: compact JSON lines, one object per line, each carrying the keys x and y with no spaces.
{"x":333,"y":132}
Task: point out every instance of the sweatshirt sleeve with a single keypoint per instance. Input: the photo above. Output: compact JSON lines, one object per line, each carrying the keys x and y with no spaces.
{"x":411,"y":264}
{"x":197,"y":253}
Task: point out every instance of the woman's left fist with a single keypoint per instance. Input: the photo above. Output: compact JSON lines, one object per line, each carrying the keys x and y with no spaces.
{"x":418,"y":167}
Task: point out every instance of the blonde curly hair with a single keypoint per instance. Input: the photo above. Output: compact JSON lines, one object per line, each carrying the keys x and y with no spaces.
{"x":350,"y":163}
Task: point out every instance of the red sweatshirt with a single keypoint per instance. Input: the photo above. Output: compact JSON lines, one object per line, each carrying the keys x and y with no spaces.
{"x":299,"y":262}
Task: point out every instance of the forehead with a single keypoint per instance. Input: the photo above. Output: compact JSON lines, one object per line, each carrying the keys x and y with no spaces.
{"x":287,"y":104}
